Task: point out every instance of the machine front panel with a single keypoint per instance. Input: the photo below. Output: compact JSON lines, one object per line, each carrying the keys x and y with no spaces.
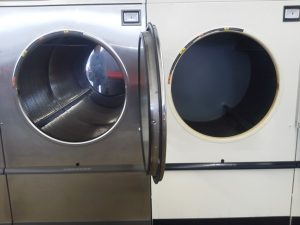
{"x":274,"y":137}
{"x":98,"y":197}
{"x":24,"y":145}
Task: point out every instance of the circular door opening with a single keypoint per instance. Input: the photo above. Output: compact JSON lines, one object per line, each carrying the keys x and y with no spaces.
{"x":224,"y":84}
{"x":71,"y":86}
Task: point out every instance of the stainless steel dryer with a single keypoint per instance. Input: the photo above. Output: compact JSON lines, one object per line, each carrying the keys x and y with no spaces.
{"x":83,"y":122}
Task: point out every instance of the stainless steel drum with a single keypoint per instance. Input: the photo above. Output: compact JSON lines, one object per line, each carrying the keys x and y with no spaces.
{"x":54,"y":91}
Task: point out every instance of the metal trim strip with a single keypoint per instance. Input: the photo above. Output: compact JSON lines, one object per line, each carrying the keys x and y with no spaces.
{"x":169,"y":167}
{"x":233,"y":165}
{"x":71,"y":170}
{"x":87,"y":223}
{"x":283,"y":220}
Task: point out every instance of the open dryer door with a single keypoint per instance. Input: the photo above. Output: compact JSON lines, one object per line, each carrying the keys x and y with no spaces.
{"x":152,"y":103}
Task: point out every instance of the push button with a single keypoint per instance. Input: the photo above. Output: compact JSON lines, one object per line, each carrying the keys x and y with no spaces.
{"x":291,"y":13}
{"x":131,"y":17}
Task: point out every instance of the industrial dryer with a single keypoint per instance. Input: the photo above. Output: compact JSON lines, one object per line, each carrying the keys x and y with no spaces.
{"x":82,"y":113}
{"x":233,"y":70}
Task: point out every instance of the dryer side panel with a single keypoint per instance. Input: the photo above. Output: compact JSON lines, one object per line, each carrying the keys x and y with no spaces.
{"x":5,"y":215}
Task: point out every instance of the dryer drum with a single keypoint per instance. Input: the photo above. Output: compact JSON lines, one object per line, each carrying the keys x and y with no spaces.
{"x":70,"y":87}
{"x":224,"y":84}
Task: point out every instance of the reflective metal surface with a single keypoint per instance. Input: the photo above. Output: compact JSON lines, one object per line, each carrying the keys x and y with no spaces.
{"x":5,"y":215}
{"x":162,"y":107}
{"x":102,"y":22}
{"x":80,"y":197}
{"x":81,"y":141}
{"x":64,"y":2}
{"x":153,"y":116}
{"x":104,"y":73}
{"x":1,"y":152}
{"x":66,"y":88}
{"x":144,"y":105}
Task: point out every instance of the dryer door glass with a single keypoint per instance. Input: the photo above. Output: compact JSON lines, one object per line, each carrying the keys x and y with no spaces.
{"x":152,"y":103}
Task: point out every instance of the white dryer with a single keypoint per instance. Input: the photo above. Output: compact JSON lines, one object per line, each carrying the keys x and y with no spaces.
{"x":232,"y":96}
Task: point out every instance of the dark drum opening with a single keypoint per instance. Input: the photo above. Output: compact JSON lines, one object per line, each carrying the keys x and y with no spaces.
{"x":62,"y":93}
{"x":224,"y":84}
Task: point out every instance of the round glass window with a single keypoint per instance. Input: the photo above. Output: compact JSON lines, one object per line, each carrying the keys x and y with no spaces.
{"x":224,"y":84}
{"x":71,"y":87}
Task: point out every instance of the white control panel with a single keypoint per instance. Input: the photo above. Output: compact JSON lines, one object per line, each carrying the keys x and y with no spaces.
{"x":291,"y":13}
